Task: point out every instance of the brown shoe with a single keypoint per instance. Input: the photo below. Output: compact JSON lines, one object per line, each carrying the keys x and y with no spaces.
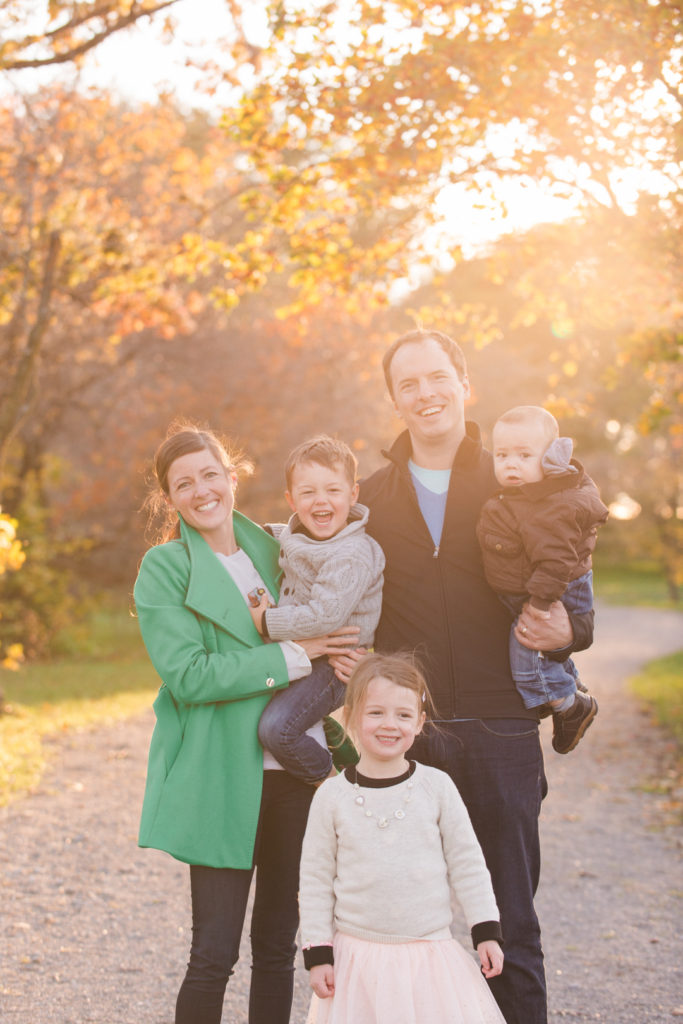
{"x":570,"y":725}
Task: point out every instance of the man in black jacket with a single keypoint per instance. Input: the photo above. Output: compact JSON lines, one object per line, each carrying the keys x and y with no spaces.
{"x":423,"y":511}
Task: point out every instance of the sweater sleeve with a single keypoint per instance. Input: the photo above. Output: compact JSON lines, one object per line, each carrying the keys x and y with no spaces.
{"x":468,"y":875}
{"x":177,"y":647}
{"x":318,"y":871}
{"x":334,"y":596}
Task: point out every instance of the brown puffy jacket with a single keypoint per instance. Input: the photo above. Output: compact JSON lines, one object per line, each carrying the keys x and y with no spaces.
{"x":538,"y":537}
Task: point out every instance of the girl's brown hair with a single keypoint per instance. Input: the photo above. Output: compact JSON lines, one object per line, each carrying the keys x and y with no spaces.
{"x":184,"y":438}
{"x":401,"y":669}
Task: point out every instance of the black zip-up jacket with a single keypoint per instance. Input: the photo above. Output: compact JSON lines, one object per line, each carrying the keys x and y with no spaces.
{"x":437,"y":602}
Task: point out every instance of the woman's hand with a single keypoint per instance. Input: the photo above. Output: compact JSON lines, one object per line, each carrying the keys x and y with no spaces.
{"x":544,"y":631}
{"x":322,"y":980}
{"x":491,"y":956}
{"x":344,"y":664}
{"x":330,"y":643}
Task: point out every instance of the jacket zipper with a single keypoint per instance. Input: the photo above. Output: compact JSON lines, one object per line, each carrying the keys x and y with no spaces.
{"x":405,"y":472}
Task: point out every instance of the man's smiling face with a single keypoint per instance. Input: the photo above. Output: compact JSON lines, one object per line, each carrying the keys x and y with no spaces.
{"x":428,"y":394}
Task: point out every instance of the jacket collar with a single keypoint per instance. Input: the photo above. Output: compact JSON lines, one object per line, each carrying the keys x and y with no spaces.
{"x":211,"y":591}
{"x":467,"y":456}
{"x":548,"y":485}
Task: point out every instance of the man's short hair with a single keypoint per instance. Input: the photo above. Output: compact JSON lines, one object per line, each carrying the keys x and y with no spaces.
{"x":450,"y":347}
{"x":326,"y":451}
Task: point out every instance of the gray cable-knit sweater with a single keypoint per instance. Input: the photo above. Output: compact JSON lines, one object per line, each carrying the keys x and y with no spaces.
{"x":327,"y":584}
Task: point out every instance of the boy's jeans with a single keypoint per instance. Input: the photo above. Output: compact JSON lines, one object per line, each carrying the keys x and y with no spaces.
{"x":539,"y":679}
{"x":283,"y":725}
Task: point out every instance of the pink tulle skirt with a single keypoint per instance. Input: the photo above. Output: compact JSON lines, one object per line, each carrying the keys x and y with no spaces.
{"x":405,"y":983}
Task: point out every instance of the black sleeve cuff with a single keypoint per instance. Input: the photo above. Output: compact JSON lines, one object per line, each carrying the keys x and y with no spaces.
{"x":264,"y":627}
{"x":314,"y":956}
{"x":582,"y":626}
{"x":486,"y":931}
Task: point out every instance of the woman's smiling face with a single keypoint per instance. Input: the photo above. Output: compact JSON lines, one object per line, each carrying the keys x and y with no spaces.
{"x":202,"y":491}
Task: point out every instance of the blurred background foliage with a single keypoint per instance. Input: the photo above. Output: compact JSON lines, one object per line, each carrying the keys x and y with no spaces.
{"x":246,"y":266}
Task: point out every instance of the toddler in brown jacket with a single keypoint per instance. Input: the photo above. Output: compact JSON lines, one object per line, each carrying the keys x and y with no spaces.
{"x":537,"y":536}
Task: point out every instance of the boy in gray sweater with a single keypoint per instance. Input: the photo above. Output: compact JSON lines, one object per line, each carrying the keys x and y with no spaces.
{"x":332,"y":577}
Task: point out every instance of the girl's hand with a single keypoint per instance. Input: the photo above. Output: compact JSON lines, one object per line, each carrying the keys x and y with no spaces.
{"x":344,"y":664}
{"x":330,"y":643}
{"x":322,"y":980}
{"x":491,"y":956}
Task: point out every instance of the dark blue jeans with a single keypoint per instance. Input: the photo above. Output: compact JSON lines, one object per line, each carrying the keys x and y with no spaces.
{"x":219,"y":905}
{"x":290,"y":712}
{"x":538,"y":679}
{"x":497,"y":766}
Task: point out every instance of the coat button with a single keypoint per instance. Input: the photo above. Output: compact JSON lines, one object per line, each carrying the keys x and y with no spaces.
{"x":270,"y":681}
{"x":499,"y":547}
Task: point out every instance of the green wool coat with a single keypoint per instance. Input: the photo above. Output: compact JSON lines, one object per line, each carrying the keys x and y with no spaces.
{"x":205,"y":768}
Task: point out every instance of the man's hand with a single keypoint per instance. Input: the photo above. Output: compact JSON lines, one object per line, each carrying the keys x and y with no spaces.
{"x":544,"y":630}
{"x":330,"y":644}
{"x":321,"y":979}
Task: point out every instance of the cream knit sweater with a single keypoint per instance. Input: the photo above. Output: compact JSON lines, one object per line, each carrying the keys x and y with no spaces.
{"x":391,"y":884}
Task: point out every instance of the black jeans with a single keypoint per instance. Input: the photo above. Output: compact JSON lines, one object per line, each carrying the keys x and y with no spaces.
{"x":497,"y":765}
{"x":219,"y":905}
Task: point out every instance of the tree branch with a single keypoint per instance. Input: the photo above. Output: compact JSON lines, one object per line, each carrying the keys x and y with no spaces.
{"x":77,"y":51}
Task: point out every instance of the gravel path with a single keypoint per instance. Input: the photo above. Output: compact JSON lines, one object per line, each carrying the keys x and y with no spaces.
{"x":92,"y":929}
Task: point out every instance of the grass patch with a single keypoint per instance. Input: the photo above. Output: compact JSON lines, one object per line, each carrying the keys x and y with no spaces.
{"x":632,"y":584}
{"x":103,"y":676}
{"x":660,"y":686}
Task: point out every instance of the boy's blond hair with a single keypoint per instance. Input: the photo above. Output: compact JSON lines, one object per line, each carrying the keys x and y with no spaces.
{"x":527,"y":414}
{"x":326,"y":451}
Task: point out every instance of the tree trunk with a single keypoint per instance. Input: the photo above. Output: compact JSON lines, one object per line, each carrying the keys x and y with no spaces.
{"x":13,"y":408}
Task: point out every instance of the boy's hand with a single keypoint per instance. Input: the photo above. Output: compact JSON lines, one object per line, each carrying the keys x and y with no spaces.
{"x":491,"y":956}
{"x":258,"y":610}
{"x":322,"y":980}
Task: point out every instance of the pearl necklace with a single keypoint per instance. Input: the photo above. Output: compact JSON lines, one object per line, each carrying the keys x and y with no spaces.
{"x":383,"y":821}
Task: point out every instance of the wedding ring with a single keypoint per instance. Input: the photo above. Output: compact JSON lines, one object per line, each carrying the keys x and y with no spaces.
{"x":523,"y":630}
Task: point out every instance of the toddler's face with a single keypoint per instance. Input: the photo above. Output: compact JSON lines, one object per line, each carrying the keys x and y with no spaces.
{"x":322,"y":496}
{"x":517,"y":452}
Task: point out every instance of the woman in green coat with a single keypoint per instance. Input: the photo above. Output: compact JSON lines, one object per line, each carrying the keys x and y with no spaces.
{"x":210,"y":799}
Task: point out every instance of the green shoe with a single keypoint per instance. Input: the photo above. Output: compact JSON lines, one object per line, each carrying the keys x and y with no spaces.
{"x":342,"y":749}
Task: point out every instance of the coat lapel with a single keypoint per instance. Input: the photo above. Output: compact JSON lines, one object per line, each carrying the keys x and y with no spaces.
{"x":213,"y":594}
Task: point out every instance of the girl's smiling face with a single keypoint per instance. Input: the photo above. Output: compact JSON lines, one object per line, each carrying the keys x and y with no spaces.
{"x":386,"y":725}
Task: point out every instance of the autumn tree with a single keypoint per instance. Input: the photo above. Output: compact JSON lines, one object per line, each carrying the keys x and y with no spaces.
{"x":366,"y":112}
{"x":365,"y":109}
{"x":116,"y":225}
